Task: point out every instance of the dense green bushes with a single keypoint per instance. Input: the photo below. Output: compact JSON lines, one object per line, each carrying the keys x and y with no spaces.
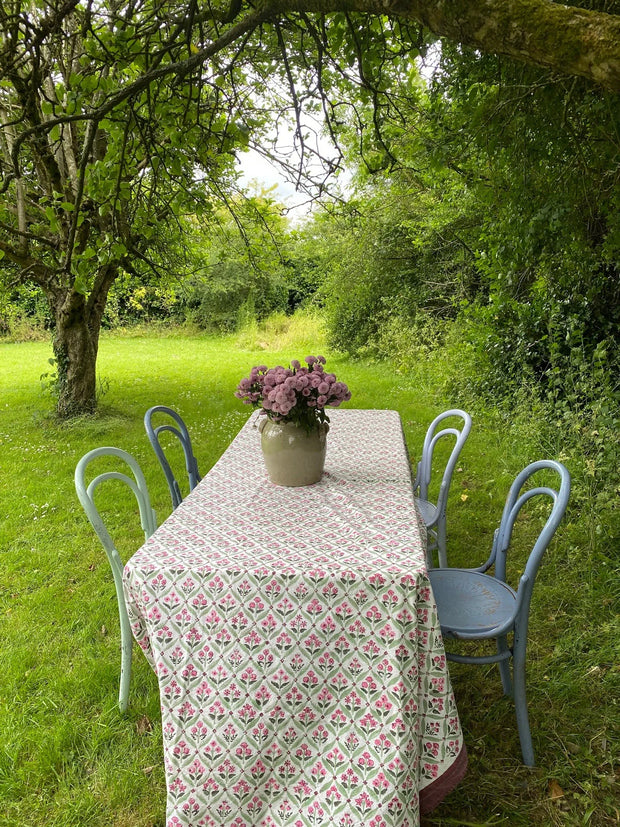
{"x":494,"y":250}
{"x":24,"y":312}
{"x":499,"y":225}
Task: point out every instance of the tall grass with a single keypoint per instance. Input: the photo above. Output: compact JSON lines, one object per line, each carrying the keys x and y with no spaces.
{"x":68,"y":757}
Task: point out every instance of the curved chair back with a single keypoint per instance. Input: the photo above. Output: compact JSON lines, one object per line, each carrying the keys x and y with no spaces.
{"x":515,"y":501}
{"x":85,"y":492}
{"x":435,"y":516}
{"x":473,"y":605}
{"x":182,"y":434}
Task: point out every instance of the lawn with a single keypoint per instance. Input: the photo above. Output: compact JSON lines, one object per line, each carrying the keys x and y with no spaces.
{"x":68,"y":757}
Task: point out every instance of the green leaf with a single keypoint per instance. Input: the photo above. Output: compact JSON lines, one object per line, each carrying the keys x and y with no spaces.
{"x":118,"y":249}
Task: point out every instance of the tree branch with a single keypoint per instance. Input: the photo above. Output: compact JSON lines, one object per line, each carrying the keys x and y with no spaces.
{"x":179,"y":69}
{"x":566,"y":39}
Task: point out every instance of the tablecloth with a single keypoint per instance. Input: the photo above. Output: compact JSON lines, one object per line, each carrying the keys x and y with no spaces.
{"x":295,"y":640}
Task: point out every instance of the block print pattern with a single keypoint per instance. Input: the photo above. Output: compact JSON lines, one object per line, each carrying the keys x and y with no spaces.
{"x":294,"y":635}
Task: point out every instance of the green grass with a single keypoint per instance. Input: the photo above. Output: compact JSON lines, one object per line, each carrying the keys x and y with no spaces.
{"x":68,"y":757}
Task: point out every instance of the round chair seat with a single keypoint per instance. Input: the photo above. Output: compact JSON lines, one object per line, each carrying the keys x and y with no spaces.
{"x":427,"y":510}
{"x":470,"y":603}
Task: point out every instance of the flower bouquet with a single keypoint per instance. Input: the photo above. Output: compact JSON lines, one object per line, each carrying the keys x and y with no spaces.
{"x":296,"y":394}
{"x":294,"y":428}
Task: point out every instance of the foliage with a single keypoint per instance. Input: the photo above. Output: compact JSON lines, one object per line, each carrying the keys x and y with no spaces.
{"x":302,"y":258}
{"x":237,"y":269}
{"x":502,"y":213}
{"x":134,"y":300}
{"x":549,"y":247}
{"x":405,"y":253}
{"x":24,"y":313}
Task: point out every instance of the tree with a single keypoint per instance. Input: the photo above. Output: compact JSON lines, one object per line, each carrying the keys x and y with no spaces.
{"x":237,"y":273}
{"x":503,"y":214}
{"x":117,"y":119}
{"x":93,"y":187}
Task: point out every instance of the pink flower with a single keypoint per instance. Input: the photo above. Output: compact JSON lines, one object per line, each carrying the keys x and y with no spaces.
{"x":295,"y":394}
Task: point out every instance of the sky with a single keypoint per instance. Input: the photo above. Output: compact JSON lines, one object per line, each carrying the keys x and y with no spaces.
{"x":257,"y":172}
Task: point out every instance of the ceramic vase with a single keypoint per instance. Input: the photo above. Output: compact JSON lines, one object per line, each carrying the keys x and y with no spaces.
{"x":293,"y":455}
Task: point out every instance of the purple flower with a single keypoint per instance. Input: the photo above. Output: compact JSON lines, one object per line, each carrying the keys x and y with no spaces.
{"x":294,"y":394}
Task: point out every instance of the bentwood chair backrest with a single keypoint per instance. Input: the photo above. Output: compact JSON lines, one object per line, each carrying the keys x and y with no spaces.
{"x":86,"y":491}
{"x":180,"y":431}
{"x":473,"y":605}
{"x":434,"y":514}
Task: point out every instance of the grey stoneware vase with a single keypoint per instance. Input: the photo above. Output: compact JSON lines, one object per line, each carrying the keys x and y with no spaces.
{"x":294,"y":456}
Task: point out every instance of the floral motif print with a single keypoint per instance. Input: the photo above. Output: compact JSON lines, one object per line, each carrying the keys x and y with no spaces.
{"x":294,"y":635}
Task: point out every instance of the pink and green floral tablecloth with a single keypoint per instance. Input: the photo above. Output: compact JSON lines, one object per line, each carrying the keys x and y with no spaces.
{"x":294,"y":635}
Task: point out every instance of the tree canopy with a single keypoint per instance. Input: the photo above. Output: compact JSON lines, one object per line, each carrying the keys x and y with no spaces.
{"x":118,"y":119}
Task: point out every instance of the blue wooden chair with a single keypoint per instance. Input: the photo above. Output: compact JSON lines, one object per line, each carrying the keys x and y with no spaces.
{"x":181,"y":432}
{"x":473,"y":605}
{"x":434,"y":515}
{"x":85,"y":493}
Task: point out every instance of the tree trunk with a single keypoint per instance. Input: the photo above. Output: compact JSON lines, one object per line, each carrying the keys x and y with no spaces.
{"x":76,"y":342}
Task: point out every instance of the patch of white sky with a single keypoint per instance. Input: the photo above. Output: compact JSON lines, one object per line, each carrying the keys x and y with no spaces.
{"x":258,"y":173}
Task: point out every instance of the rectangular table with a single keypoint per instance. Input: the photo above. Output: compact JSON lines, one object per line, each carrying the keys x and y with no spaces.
{"x":295,"y":639}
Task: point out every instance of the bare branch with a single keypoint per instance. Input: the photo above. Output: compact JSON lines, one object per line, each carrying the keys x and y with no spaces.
{"x":294,"y":97}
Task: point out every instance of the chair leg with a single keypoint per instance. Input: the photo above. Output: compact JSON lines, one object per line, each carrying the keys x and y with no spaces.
{"x":123,"y":693}
{"x":441,"y":544}
{"x":504,"y":666}
{"x":126,"y":646}
{"x":431,"y":546}
{"x":520,"y":700}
